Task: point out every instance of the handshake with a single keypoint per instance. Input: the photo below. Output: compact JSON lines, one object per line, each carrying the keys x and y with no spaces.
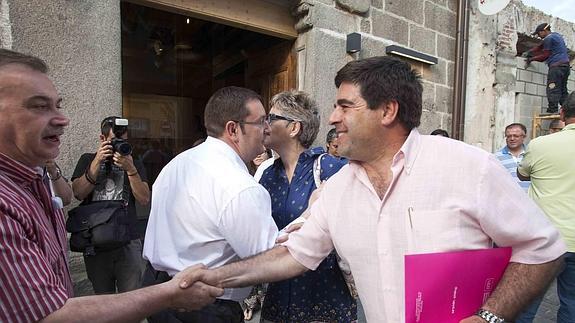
{"x":194,"y":288}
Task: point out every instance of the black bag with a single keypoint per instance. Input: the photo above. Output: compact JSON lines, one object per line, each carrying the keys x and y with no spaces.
{"x":101,"y":225}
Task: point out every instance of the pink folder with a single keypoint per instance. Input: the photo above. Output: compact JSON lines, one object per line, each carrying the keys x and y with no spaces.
{"x":449,"y":286}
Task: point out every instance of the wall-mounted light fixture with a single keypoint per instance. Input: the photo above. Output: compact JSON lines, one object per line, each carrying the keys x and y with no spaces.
{"x":353,"y":43}
{"x":411,"y":54}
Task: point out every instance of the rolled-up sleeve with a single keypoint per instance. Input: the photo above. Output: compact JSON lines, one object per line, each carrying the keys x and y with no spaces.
{"x":312,"y":243}
{"x":511,"y":218}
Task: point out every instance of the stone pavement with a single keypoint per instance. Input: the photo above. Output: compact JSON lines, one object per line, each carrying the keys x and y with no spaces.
{"x":546,"y":314}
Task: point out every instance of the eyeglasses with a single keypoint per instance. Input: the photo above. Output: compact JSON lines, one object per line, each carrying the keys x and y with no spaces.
{"x":261,"y":123}
{"x":514,"y":136}
{"x":273,"y":117}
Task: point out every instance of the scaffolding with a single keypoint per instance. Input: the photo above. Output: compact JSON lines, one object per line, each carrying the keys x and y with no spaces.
{"x":538,"y":119}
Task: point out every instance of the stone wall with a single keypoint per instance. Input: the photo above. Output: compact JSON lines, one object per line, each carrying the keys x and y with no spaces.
{"x":415,"y":24}
{"x":497,"y":91}
{"x":80,"y":41}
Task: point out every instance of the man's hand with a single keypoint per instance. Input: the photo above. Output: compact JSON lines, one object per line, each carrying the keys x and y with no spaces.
{"x":190,"y":292}
{"x":124,"y":162}
{"x":51,"y":168}
{"x":104,"y":152}
{"x":197,"y":273}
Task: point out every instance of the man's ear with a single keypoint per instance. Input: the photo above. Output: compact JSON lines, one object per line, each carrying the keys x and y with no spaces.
{"x":389,"y":112}
{"x":231,"y":130}
{"x":102,"y":138}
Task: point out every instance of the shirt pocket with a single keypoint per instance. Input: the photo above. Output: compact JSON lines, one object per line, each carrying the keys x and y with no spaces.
{"x":434,"y":231}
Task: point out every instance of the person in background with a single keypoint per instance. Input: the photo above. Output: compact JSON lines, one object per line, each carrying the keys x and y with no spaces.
{"x":512,"y":153}
{"x":553,"y":52}
{"x":109,"y":175}
{"x":556,"y":126}
{"x":331,"y":142}
{"x":316,"y":296}
{"x":439,"y":132}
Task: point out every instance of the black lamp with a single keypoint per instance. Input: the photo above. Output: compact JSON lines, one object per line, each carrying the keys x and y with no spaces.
{"x":411,"y":54}
{"x":353,"y":43}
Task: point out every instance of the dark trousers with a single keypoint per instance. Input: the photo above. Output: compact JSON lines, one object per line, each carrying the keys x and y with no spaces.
{"x":557,"y":86}
{"x":116,"y":270}
{"x":221,"y":311}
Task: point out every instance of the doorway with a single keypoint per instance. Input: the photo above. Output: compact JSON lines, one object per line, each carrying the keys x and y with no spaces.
{"x":171,"y":65}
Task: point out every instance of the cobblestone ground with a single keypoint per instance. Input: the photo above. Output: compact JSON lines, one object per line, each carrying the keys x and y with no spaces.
{"x":546,"y":314}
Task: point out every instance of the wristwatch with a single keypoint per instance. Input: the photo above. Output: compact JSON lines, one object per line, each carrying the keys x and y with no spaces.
{"x":489,"y":317}
{"x":58,"y":174}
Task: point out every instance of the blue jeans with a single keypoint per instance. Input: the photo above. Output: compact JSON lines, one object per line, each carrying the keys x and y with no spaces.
{"x":565,"y":290}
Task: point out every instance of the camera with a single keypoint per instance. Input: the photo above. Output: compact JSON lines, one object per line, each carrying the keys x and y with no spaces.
{"x":119,"y":128}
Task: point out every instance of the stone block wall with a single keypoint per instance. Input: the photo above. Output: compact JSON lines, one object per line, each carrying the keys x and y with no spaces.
{"x":530,"y":91}
{"x":423,"y":26}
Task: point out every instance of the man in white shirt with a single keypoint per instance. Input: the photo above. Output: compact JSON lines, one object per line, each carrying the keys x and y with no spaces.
{"x":206,"y":208}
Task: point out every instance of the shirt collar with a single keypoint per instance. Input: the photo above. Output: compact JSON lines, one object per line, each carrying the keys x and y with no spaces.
{"x":18,"y":172}
{"x":505,"y":150}
{"x":314,"y":151}
{"x":570,"y":126}
{"x":225,"y":149}
{"x":409,"y":150}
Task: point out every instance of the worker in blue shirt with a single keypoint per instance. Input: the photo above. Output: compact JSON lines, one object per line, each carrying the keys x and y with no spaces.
{"x":554,"y":52}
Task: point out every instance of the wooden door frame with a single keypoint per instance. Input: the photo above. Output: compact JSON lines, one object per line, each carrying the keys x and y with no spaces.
{"x":256,"y":15}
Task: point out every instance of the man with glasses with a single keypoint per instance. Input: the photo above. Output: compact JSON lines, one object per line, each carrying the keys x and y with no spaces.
{"x":511,"y":155}
{"x":207,"y":208}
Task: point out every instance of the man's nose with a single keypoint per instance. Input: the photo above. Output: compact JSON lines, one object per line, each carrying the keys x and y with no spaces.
{"x":335,"y":115}
{"x":60,"y":120}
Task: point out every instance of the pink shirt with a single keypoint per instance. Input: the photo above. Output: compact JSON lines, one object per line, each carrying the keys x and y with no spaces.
{"x":445,"y":196}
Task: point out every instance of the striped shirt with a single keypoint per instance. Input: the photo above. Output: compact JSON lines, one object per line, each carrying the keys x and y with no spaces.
{"x":34,"y":276}
{"x":510,"y":163}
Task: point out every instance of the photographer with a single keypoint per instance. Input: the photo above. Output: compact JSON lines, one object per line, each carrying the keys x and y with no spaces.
{"x":111,"y":174}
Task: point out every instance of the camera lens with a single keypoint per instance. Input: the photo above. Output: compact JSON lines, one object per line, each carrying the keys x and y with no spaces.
{"x":124,"y":148}
{"x":121,"y":146}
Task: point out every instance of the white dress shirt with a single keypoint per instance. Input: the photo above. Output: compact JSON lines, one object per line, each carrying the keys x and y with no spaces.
{"x":206,"y":208}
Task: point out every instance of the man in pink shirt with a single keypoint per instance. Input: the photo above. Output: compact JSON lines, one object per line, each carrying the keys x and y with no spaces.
{"x":406,"y":193}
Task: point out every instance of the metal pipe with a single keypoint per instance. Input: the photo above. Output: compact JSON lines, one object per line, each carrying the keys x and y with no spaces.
{"x":460,"y":86}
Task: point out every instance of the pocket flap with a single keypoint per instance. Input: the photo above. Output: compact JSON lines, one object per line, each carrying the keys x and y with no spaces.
{"x":84,"y":217}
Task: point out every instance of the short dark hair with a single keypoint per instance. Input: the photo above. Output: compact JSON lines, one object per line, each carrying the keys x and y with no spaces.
{"x":568,"y":107}
{"x":107,"y":124}
{"x":384,"y":79}
{"x":299,"y":106}
{"x":331,"y":135}
{"x":517,"y":124}
{"x":439,"y":132}
{"x":227,"y":104}
{"x":8,"y":57}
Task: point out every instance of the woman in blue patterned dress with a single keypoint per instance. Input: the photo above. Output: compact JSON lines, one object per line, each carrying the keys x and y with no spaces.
{"x":316,"y":296}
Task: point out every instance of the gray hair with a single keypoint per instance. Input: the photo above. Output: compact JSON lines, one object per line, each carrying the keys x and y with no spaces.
{"x":8,"y":57}
{"x":298,"y":105}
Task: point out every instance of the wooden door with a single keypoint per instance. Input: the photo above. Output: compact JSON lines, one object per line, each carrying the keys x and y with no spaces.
{"x":272,"y":70}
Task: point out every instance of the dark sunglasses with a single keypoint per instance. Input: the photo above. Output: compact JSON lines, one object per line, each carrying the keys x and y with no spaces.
{"x":273,"y":117}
